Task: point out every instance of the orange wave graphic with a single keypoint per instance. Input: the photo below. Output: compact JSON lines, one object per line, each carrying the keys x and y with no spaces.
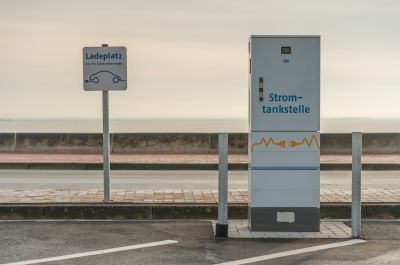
{"x":293,"y":143}
{"x":266,"y":143}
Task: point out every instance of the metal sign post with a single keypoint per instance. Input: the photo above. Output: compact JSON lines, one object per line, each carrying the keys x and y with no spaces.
{"x":356,"y":185}
{"x":104,"y":69}
{"x":106,"y":144}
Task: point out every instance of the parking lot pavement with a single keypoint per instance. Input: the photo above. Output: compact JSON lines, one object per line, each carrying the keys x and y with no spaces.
{"x":27,"y":241}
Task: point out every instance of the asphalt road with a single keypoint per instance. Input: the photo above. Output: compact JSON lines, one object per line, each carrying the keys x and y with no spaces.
{"x":24,"y":241}
{"x":74,"y":179}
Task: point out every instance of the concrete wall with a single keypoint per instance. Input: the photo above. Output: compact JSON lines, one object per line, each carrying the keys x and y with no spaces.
{"x":384,"y":143}
{"x":51,"y":142}
{"x":373,"y":143}
{"x":7,"y":142}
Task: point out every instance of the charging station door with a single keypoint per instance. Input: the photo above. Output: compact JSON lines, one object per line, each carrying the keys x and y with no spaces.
{"x":284,"y":83}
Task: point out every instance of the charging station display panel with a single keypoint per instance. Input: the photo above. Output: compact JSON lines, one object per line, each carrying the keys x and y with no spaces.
{"x":284,"y":83}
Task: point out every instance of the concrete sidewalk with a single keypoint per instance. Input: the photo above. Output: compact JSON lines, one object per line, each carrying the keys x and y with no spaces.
{"x":174,"y":204}
{"x":174,"y":161}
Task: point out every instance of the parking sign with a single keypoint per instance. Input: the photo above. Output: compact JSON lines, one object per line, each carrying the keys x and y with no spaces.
{"x":104,"y":68}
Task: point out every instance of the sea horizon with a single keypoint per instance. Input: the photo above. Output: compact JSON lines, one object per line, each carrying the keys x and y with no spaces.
{"x":183,"y":125}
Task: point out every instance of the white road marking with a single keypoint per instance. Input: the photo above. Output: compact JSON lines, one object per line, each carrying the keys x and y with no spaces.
{"x":293,"y":252}
{"x":93,"y":253}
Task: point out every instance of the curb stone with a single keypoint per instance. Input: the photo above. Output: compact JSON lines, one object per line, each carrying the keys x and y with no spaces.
{"x":120,"y":211}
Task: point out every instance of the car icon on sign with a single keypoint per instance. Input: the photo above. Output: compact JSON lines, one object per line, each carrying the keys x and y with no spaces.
{"x":95,"y":78}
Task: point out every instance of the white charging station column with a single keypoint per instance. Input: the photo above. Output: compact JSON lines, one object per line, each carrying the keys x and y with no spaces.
{"x":284,"y":138}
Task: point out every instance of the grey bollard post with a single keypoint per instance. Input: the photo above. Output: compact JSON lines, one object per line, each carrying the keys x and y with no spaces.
{"x":106,"y":148}
{"x":106,"y":145}
{"x":221,"y":229}
{"x":356,"y":185}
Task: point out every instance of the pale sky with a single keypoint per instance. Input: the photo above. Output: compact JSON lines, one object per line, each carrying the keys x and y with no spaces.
{"x":189,"y":58}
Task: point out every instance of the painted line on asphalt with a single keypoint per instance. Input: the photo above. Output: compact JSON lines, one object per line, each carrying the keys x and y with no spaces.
{"x":293,"y":252}
{"x":93,"y":253}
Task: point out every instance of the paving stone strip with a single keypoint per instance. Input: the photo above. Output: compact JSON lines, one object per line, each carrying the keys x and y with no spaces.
{"x":329,"y":229}
{"x":177,"y":196}
{"x":170,"y":158}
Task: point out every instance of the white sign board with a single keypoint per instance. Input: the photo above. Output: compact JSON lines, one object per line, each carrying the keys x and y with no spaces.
{"x":104,"y":68}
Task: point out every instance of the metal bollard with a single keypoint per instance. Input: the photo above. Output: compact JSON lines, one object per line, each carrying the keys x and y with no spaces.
{"x":356,"y":185}
{"x":106,"y":148}
{"x":221,"y":228}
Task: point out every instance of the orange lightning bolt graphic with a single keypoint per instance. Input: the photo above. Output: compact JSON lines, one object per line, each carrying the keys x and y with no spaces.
{"x":266,"y":143}
{"x":293,"y":143}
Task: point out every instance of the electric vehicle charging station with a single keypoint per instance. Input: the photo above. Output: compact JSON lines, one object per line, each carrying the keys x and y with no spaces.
{"x":284,"y":138}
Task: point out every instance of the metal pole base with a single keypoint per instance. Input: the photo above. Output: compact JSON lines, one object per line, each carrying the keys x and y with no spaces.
{"x":221,"y":230}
